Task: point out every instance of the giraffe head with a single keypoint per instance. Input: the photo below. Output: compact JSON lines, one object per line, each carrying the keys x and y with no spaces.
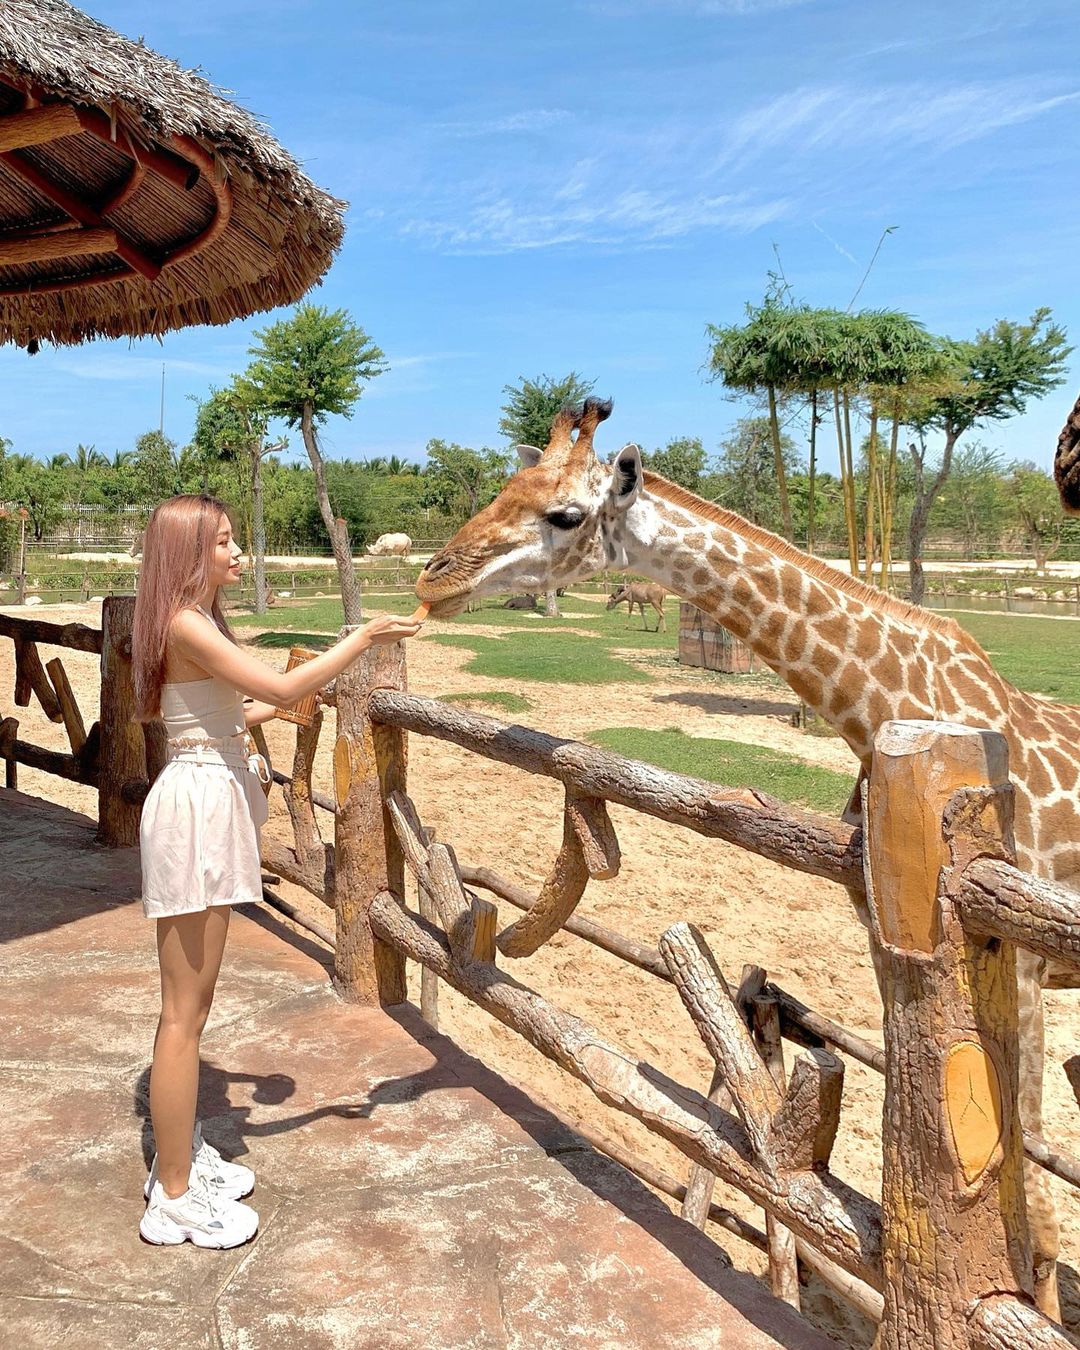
{"x":552,"y":524}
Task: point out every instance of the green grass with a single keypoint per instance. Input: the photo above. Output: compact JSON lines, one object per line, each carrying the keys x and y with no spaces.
{"x":556,"y":658}
{"x":1039,"y":655}
{"x":1036,"y":654}
{"x":498,"y":698}
{"x":733,"y":764}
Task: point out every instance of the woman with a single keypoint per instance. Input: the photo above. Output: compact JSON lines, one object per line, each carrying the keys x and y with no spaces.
{"x":199,"y":833}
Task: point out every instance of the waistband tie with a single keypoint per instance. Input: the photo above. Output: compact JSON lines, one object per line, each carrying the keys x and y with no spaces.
{"x":238,"y":750}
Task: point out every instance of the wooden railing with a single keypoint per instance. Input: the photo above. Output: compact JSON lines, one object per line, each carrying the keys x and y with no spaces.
{"x":945,"y":904}
{"x":115,"y":751}
{"x":940,"y":1260}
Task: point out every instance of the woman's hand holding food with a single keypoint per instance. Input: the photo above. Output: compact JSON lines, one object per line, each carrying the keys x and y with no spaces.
{"x":387,"y":628}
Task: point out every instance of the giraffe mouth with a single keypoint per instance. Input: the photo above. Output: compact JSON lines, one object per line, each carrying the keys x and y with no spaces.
{"x":447,"y":608}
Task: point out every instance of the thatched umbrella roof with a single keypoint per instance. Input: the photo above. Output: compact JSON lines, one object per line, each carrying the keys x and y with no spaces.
{"x":134,"y":198}
{"x":1067,"y":462}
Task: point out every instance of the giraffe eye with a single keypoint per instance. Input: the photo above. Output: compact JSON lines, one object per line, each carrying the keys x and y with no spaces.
{"x":568,"y":518}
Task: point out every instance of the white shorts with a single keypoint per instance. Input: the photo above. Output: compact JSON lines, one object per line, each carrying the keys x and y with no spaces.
{"x":199,"y":835}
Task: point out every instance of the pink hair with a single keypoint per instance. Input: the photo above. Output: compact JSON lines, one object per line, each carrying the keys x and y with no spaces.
{"x":177,"y":559}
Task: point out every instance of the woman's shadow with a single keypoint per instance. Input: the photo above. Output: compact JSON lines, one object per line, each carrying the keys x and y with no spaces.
{"x":232,"y":1124}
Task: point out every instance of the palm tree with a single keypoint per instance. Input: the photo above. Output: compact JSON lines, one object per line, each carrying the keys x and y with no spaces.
{"x":401,"y":468}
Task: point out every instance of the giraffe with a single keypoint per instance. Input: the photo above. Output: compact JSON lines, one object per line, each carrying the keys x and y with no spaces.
{"x":858,"y":657}
{"x":1067,"y":462}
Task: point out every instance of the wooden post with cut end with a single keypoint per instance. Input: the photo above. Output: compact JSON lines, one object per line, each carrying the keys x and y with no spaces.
{"x":955,"y":1227}
{"x":122,"y":753}
{"x":369,"y":764}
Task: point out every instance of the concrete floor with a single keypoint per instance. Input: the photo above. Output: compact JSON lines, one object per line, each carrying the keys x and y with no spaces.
{"x":408,"y":1197}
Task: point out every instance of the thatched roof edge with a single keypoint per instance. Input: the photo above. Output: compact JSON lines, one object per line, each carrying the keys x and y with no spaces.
{"x":51,"y":43}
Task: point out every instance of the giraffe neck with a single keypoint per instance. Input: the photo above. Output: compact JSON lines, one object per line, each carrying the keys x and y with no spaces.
{"x":853,"y":655}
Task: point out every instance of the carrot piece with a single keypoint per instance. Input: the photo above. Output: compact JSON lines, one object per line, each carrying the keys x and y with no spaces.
{"x":421,"y":612}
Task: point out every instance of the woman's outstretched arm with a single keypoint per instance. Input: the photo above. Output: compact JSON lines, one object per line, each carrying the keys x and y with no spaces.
{"x":205,"y":645}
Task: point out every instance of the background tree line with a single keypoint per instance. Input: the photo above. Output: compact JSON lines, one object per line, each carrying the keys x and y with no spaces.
{"x":902,"y":405}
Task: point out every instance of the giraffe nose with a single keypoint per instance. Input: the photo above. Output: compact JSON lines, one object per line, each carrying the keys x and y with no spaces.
{"x":439,"y":564}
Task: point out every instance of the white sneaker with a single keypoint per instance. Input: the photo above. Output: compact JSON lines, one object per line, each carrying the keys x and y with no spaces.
{"x":229,"y":1180}
{"x":196,"y":1217}
{"x":225,"y":1180}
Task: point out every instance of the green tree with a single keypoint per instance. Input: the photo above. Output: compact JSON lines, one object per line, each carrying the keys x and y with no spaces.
{"x":974,"y":502}
{"x":753,"y":358}
{"x":988,"y":379}
{"x":1037,"y":507}
{"x":232,"y":425}
{"x":41,"y":489}
{"x":155,"y":465}
{"x":462,"y":480}
{"x":307,"y":368}
{"x":681,"y":461}
{"x":531,"y":406}
{"x":746,"y":472}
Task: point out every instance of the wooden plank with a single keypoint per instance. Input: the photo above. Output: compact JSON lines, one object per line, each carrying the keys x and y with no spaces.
{"x":123,"y":754}
{"x":69,"y":708}
{"x":30,"y":678}
{"x":827,"y":1212}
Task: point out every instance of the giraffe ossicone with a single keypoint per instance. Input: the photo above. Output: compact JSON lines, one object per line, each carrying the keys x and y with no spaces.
{"x":855,"y":655}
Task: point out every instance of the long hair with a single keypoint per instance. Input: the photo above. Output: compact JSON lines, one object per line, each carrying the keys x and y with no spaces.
{"x":177,"y":558}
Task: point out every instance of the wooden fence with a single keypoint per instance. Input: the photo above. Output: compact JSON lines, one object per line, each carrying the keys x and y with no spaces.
{"x":115,"y":752}
{"x":943,"y":1260}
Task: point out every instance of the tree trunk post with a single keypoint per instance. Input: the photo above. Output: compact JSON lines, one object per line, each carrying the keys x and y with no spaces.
{"x":122,"y":755}
{"x":953,"y":1209}
{"x":336,"y":526}
{"x":258,"y":531}
{"x":369,"y":764}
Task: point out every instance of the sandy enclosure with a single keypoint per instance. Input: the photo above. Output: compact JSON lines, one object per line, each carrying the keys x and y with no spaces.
{"x":801,"y":929}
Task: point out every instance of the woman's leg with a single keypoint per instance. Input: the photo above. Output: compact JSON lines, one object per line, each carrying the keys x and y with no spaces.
{"x":189,"y":954}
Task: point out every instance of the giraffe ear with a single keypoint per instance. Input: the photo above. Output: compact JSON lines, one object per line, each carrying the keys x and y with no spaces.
{"x":529,"y":455}
{"x":626,"y":477}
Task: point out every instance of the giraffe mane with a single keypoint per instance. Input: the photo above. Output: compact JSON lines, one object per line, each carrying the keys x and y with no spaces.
{"x":906,"y":612}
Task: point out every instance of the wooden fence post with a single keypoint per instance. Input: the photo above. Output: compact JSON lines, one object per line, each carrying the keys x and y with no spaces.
{"x":369,"y":764}
{"x":122,"y":755}
{"x":955,"y":1227}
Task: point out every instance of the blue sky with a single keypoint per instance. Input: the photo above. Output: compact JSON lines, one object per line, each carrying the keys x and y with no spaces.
{"x":584,"y":184}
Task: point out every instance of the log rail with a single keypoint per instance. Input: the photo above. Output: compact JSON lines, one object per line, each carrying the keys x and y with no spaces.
{"x":948,"y":908}
{"x":770,"y":1137}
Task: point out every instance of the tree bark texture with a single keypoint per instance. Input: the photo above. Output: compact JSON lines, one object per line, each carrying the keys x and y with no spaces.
{"x":336,"y":526}
{"x":122,"y":750}
{"x":953,"y":1207}
{"x":369,"y":764}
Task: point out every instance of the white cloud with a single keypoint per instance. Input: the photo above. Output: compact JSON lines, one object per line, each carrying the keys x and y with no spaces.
{"x":631,"y":217}
{"x":530,"y":119}
{"x":125,"y":367}
{"x":838,"y":116}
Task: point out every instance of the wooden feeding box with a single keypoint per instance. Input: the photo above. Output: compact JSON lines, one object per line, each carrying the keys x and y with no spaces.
{"x":704,"y":642}
{"x":303,"y":713}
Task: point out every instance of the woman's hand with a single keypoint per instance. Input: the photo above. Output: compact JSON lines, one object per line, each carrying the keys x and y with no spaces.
{"x":387,"y":628}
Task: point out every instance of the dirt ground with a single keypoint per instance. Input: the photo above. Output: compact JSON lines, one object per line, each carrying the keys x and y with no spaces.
{"x":801,"y":929}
